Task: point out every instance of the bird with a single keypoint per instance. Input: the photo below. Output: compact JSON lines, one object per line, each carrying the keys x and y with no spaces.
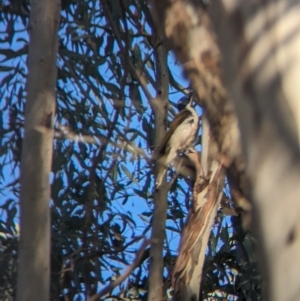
{"x":180,"y":136}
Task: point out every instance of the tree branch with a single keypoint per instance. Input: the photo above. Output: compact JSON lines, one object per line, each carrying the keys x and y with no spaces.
{"x":126,"y":273}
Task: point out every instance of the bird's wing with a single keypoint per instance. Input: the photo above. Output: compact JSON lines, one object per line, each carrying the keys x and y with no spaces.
{"x":179,"y":118}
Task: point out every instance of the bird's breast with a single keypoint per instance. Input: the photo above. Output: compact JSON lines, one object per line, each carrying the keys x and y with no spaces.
{"x":184,"y":135}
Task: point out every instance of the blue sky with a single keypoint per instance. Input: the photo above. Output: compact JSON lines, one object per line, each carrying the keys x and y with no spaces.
{"x":136,"y":205}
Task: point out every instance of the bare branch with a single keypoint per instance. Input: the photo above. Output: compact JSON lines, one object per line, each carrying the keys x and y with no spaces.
{"x":126,"y":273}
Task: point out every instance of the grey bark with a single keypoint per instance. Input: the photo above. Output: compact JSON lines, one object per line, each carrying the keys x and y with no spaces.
{"x":160,"y":108}
{"x":34,"y":245}
{"x":260,"y":45}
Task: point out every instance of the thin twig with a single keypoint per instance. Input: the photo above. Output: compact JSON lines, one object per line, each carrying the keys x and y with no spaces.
{"x":126,"y":273}
{"x":65,"y":132}
{"x":131,"y":67}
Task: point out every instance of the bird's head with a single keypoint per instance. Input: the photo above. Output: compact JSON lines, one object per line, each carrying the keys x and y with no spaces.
{"x":185,"y":101}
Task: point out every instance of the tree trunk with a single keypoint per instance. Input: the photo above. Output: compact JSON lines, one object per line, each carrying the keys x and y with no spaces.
{"x":259,"y":41}
{"x":34,"y":245}
{"x":260,"y":44}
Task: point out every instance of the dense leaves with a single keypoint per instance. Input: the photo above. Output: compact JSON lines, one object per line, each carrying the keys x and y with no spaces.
{"x":102,"y":182}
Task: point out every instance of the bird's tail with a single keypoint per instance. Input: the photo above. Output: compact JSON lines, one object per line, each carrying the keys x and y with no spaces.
{"x":162,"y":165}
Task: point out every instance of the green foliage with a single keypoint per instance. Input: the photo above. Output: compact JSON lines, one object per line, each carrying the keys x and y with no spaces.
{"x":230,"y":267}
{"x":102,"y":183}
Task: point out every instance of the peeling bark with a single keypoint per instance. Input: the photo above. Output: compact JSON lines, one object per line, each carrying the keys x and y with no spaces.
{"x":188,"y":268}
